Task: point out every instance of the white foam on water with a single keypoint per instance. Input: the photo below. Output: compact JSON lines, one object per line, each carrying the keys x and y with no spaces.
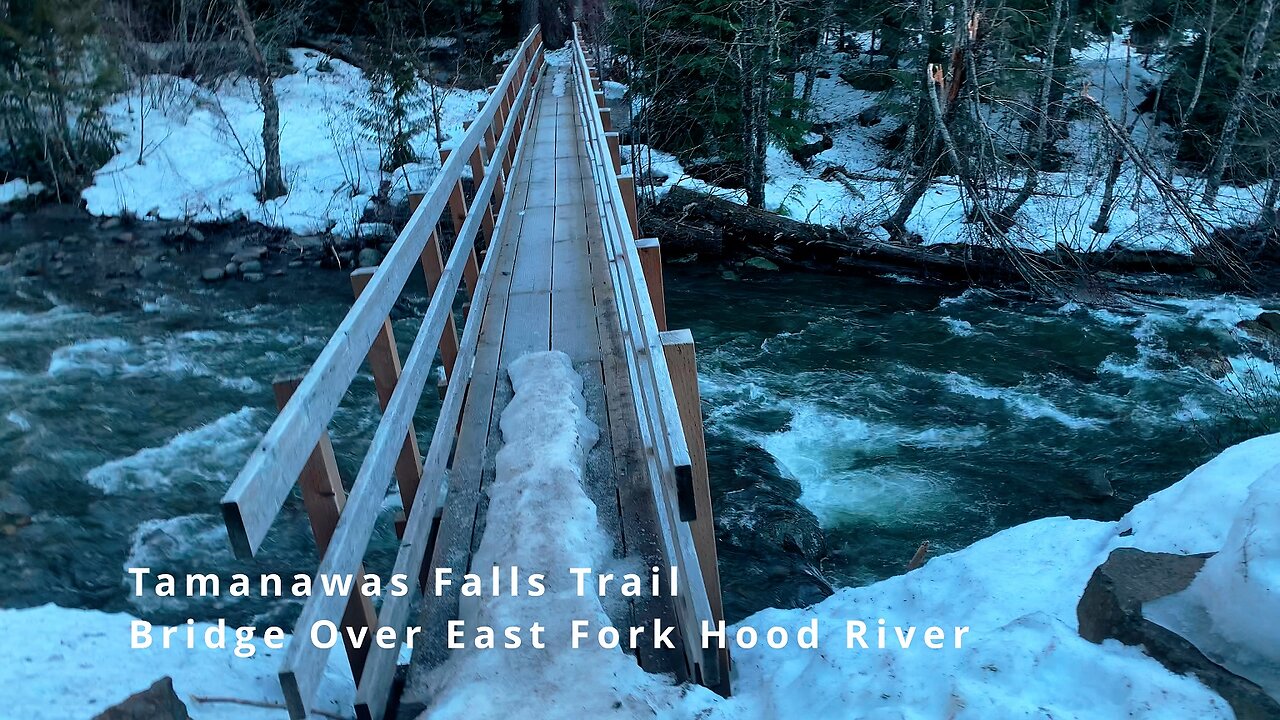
{"x":17,"y":419}
{"x":1222,"y":311}
{"x":1138,"y":370}
{"x":1026,"y":404}
{"x":959,"y":328}
{"x":160,"y":542}
{"x":209,"y":454}
{"x":823,"y":451}
{"x":116,"y":356}
{"x":16,"y":320}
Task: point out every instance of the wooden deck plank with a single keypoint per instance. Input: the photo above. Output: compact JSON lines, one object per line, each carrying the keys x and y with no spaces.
{"x":638,"y":514}
{"x":553,"y":291}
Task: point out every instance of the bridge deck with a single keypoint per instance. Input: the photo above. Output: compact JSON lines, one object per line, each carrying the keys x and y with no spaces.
{"x":551,"y":291}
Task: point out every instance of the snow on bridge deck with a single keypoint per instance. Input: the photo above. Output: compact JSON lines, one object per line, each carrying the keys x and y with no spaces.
{"x":552,"y":291}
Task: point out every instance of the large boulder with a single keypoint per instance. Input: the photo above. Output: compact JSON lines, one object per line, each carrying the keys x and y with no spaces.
{"x":158,"y":702}
{"x":1111,"y":607}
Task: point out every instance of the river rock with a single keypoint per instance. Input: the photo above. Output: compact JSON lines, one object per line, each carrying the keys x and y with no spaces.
{"x":1111,"y":607}
{"x":231,"y":268}
{"x":151,"y":270}
{"x":296,"y":263}
{"x":124,"y":238}
{"x":254,"y":277}
{"x":1205,"y":273}
{"x":158,"y":702}
{"x":255,"y":252}
{"x":110,"y":223}
{"x":213,"y":274}
{"x":1097,"y":485}
{"x":250,"y":266}
{"x":1269,"y":320}
{"x":760,"y":263}
{"x":370,"y":257}
{"x":30,"y":259}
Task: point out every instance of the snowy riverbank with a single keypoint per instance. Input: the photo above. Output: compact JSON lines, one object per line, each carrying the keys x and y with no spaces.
{"x":1016,"y":591}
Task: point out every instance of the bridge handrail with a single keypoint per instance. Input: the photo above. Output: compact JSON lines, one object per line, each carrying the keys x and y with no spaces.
{"x":380,"y":666}
{"x":257,"y":494}
{"x":666,"y":449}
{"x":255,"y":497}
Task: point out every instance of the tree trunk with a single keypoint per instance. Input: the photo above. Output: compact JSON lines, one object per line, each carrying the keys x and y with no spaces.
{"x":272,"y":180}
{"x":1249,"y":66}
{"x":1036,"y":142}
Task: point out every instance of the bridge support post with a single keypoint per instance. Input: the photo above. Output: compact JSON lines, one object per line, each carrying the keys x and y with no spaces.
{"x":651,"y":264}
{"x":458,"y":210}
{"x":615,"y":150}
{"x":606,"y":118}
{"x":678,"y":347}
{"x":627,"y":186}
{"x":323,"y":499}
{"x":432,"y":269}
{"x":384,"y":361}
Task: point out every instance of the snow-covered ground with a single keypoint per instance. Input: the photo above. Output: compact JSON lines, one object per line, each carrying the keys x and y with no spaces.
{"x":189,"y":152}
{"x":1067,"y":202}
{"x":1016,"y":591}
{"x":19,"y":189}
{"x":63,"y":664}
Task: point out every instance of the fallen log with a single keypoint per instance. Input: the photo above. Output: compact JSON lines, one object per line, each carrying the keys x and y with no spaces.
{"x":690,"y":222}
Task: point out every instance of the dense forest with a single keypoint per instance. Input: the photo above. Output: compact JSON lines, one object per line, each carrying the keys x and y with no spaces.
{"x":981,"y":93}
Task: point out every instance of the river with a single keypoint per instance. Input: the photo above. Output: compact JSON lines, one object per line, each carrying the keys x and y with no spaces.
{"x":848,"y":421}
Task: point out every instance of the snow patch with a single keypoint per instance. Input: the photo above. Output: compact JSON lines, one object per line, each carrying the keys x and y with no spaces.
{"x":58,"y":663}
{"x":16,"y":190}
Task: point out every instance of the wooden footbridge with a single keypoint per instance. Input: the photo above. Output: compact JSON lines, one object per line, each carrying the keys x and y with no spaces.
{"x":541,"y":252}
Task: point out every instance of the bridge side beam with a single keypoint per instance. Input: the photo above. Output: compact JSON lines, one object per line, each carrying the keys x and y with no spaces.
{"x":678,"y":347}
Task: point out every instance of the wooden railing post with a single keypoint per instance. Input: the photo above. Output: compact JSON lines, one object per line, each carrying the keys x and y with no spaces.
{"x":458,"y":210}
{"x":384,"y":361}
{"x":432,"y":262}
{"x":627,"y":186}
{"x":651,"y":264}
{"x":477,"y":177}
{"x":606,"y":118}
{"x":678,"y":347}
{"x":323,"y":498}
{"x":615,"y":150}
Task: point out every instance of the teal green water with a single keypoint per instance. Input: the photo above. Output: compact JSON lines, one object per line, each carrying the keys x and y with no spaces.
{"x":848,"y":421}
{"x":894,"y":414}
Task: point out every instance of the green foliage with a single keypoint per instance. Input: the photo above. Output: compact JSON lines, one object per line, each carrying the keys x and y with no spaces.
{"x":57,"y":78}
{"x":685,"y":67}
{"x":396,"y":111}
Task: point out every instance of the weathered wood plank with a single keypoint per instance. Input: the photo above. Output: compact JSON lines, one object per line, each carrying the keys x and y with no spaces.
{"x":371,"y":695}
{"x":638,"y":514}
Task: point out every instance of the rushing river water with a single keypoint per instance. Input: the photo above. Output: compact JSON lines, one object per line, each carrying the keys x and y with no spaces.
{"x":848,"y":421}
